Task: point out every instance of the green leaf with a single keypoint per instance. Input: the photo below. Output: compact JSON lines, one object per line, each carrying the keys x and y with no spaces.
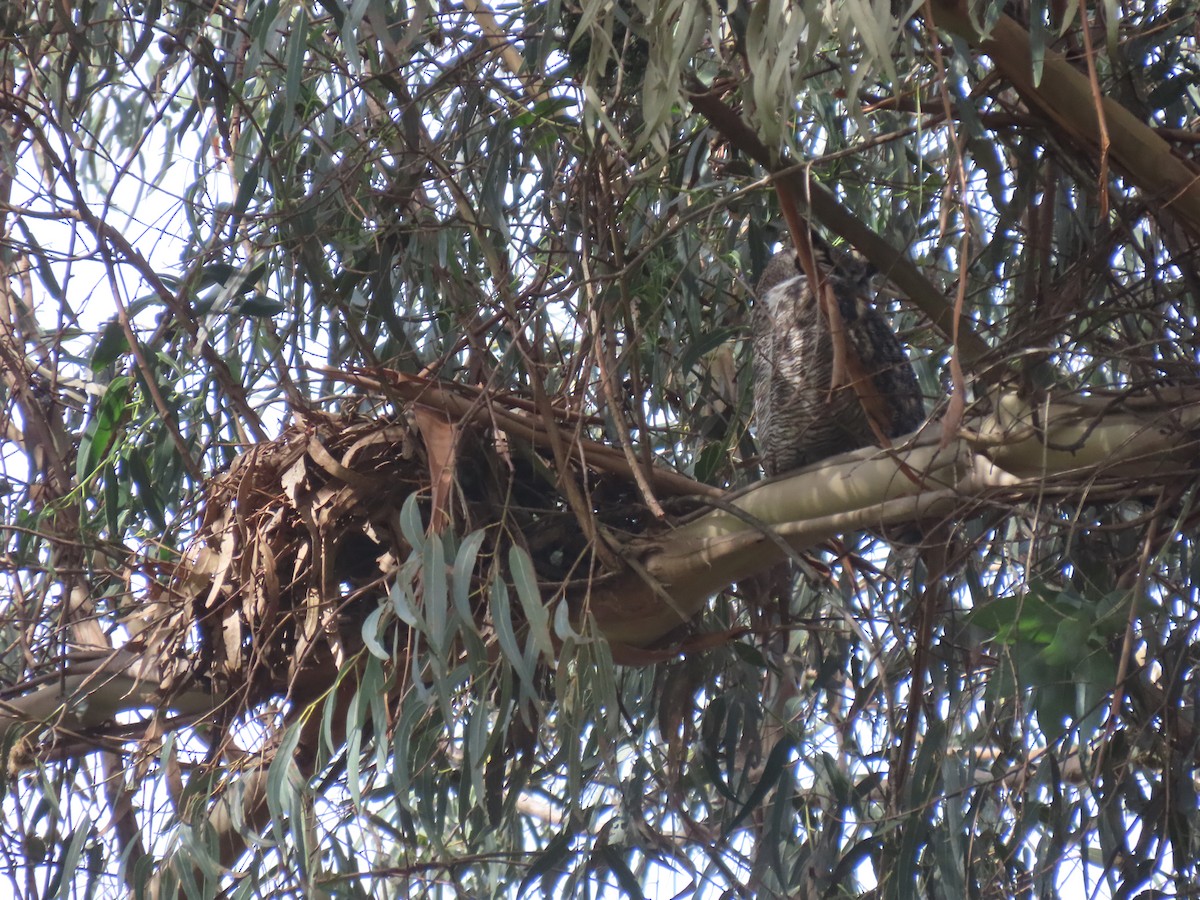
{"x":139,"y":474}
{"x":435,"y":595}
{"x":280,"y":776}
{"x":1027,"y":617}
{"x":629,"y":883}
{"x":113,"y":507}
{"x":260,"y":306}
{"x":460,"y":579}
{"x":403,"y":742}
{"x":1038,"y":34}
{"x":536,"y":615}
{"x":101,"y":431}
{"x":546,"y":863}
{"x":297,"y":47}
{"x":511,"y":648}
{"x":63,"y":879}
{"x":1054,"y":705}
{"x":410,"y":523}
{"x":693,"y":353}
{"x":357,"y":711}
{"x":215,"y":274}
{"x":370,"y":633}
{"x":403,"y":601}
{"x":111,"y":343}
{"x":1070,"y":641}
{"x":773,"y":768}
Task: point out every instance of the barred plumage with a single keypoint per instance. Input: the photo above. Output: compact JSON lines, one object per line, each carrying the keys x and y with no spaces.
{"x":799,"y":421}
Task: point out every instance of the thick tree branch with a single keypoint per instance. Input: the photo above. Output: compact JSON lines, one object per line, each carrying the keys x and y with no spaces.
{"x":1076,"y":447}
{"x":1015,"y":451}
{"x":1064,"y":99}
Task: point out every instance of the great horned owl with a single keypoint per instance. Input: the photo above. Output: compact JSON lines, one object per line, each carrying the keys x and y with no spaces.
{"x":799,"y":420}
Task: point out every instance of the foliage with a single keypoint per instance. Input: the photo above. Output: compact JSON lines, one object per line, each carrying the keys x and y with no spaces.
{"x":375,"y":380}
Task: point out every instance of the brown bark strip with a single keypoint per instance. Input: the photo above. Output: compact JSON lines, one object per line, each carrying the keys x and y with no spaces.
{"x":441,"y":451}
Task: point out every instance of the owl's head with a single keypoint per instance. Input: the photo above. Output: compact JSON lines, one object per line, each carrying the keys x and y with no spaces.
{"x":836,"y":263}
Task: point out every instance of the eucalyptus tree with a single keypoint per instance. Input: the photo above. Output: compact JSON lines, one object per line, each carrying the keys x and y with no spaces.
{"x":381,"y":506}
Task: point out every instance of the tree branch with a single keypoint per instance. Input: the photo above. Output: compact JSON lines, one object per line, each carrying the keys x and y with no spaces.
{"x":1063,"y":98}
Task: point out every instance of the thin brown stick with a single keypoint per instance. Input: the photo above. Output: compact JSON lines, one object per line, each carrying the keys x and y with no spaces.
{"x":1098,"y":100}
{"x":607,"y":366}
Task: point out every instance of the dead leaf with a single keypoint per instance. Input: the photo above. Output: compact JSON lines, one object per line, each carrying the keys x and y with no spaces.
{"x":441,"y":450}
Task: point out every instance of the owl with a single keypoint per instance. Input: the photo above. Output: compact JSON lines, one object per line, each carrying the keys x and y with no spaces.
{"x":799,"y":421}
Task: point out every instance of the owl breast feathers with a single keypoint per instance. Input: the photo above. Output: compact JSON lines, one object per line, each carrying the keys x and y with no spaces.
{"x":799,"y":421}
